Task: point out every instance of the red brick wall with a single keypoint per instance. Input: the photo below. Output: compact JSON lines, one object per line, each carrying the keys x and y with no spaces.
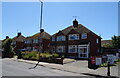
{"x":91,"y":37}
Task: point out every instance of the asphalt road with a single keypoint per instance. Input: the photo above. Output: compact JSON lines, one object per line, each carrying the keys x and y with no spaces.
{"x":15,"y":68}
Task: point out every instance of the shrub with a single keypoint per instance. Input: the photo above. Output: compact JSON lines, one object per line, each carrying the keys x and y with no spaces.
{"x":35,"y":55}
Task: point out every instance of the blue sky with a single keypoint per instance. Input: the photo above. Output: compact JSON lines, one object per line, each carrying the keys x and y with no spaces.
{"x":100,"y":17}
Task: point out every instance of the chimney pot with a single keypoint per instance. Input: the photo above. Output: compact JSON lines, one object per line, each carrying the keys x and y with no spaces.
{"x":41,"y":30}
{"x":7,"y":37}
{"x":19,"y":33}
{"x":75,"y":23}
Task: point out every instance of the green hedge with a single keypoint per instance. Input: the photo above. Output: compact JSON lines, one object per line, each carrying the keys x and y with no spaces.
{"x":35,"y":55}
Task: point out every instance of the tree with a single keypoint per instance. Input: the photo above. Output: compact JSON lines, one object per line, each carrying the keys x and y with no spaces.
{"x":6,"y":45}
{"x":116,"y":41}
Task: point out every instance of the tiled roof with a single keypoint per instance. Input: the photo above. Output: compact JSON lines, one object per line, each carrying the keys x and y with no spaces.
{"x":80,"y":29}
{"x":106,"y":42}
{"x":19,"y":38}
{"x":44,"y":35}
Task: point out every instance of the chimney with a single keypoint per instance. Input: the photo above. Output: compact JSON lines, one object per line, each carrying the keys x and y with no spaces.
{"x":7,"y":37}
{"x":19,"y":33}
{"x":75,"y":23}
{"x":41,"y":30}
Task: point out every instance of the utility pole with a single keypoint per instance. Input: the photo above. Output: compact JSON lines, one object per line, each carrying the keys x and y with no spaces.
{"x":40,"y":38}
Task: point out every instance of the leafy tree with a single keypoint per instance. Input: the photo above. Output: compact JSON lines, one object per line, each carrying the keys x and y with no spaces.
{"x":6,"y":45}
{"x":116,"y":41}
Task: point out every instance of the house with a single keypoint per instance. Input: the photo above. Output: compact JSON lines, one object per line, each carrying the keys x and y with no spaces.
{"x":76,"y":41}
{"x":33,"y":43}
{"x":18,"y":42}
{"x":108,"y":43}
{"x":107,"y":47}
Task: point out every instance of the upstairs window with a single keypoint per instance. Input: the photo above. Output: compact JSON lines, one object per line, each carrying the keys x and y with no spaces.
{"x":74,"y":37}
{"x":35,"y":41}
{"x":28,"y":41}
{"x":60,"y":38}
{"x":53,"y":38}
{"x":84,"y":36}
{"x":97,"y":41}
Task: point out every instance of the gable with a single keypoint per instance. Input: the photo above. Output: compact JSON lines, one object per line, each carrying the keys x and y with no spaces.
{"x":73,"y":32}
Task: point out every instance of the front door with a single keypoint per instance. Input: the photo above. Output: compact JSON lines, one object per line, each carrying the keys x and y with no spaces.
{"x":83,"y":51}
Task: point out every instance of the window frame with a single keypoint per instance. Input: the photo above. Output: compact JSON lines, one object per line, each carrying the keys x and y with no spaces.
{"x":71,"y":46}
{"x":53,"y":38}
{"x":74,"y":35}
{"x":62,"y":47}
{"x":35,"y":40}
{"x":84,"y":37}
{"x":97,"y":40}
{"x":62,"y":38}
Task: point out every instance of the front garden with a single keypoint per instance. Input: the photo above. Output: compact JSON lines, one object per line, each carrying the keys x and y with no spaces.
{"x":43,"y":57}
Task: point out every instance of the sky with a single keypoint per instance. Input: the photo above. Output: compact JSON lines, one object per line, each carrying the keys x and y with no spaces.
{"x":24,"y":17}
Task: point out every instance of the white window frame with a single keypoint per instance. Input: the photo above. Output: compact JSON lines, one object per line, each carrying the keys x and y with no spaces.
{"x":35,"y":40}
{"x":62,"y":38}
{"x":84,"y":36}
{"x":71,"y":46}
{"x":97,"y":40}
{"x":53,"y":38}
{"x":62,"y":47}
{"x":29,"y":41}
{"x":74,"y":35}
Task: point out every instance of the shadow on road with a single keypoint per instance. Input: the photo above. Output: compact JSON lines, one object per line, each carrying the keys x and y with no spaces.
{"x":99,"y":76}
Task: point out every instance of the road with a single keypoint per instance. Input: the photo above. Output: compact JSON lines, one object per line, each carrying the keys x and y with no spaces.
{"x":15,"y":68}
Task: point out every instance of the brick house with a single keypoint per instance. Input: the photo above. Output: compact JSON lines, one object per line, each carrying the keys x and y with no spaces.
{"x":32,"y":42}
{"x":18,"y":42}
{"x":76,"y":41}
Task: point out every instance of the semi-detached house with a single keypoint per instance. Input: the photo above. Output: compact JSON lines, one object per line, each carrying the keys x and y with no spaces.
{"x":32,"y":43}
{"x":76,"y":41}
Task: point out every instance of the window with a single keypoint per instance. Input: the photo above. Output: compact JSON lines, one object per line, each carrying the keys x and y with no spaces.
{"x":97,"y":40}
{"x":74,"y":37}
{"x":53,"y":49}
{"x":28,"y":41}
{"x":72,"y":49}
{"x":28,"y":48}
{"x":98,"y":50}
{"x":60,"y":48}
{"x":84,"y":35}
{"x":53,"y":38}
{"x":35,"y":41}
{"x":25,"y":41}
{"x":60,"y":38}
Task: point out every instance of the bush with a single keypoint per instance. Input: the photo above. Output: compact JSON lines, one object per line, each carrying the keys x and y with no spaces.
{"x":35,"y":55}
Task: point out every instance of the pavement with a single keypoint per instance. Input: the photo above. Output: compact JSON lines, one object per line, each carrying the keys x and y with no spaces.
{"x":75,"y":66}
